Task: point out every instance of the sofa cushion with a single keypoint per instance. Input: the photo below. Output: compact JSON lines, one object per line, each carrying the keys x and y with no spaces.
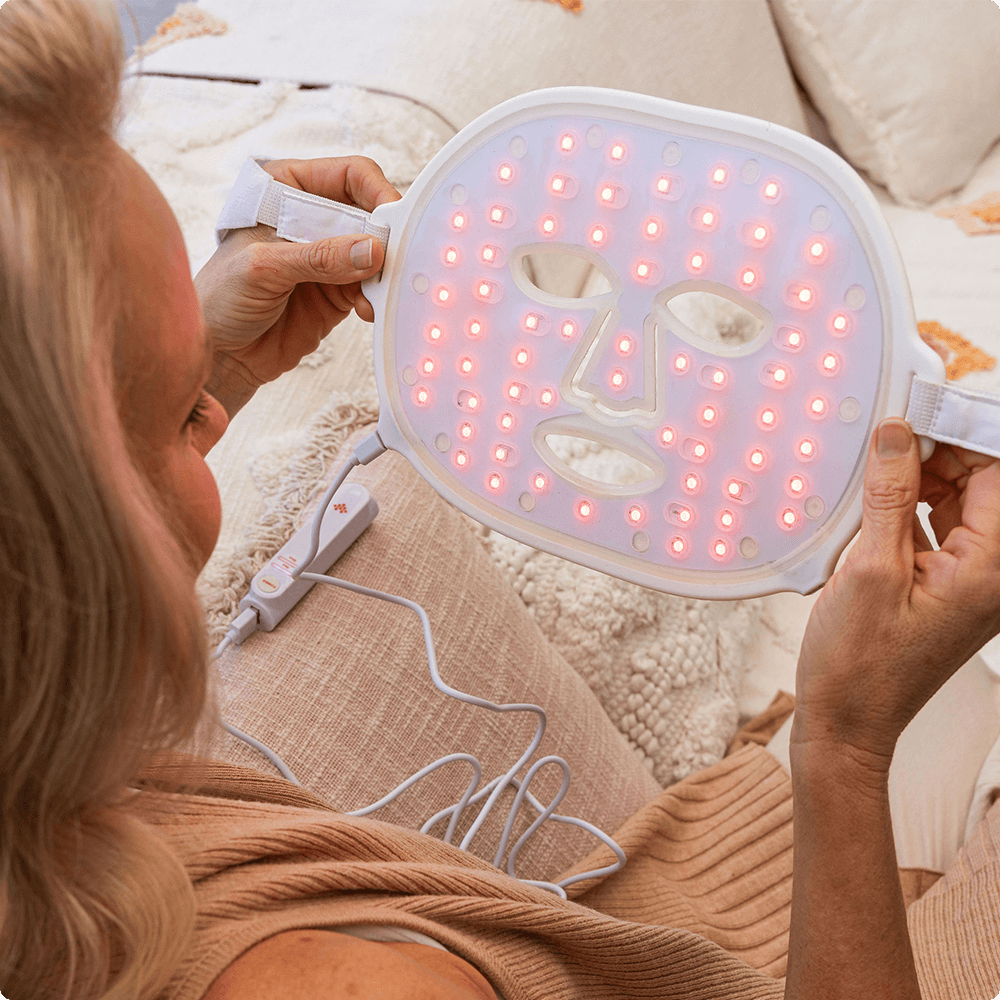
{"x":910,"y":91}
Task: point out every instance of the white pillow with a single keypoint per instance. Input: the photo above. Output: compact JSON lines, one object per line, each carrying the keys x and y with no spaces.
{"x":910,"y":90}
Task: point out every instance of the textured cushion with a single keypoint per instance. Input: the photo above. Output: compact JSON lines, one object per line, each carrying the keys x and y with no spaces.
{"x":461,"y":57}
{"x":910,"y":91}
{"x":341,"y":690}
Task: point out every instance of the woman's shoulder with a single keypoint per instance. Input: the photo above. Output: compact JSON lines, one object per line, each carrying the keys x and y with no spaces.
{"x":322,"y":965}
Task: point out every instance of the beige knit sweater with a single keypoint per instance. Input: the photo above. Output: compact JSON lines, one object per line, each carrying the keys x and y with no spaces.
{"x":701,"y":910}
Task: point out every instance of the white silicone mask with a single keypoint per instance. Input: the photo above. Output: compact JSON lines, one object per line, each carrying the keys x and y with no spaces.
{"x":746,"y":457}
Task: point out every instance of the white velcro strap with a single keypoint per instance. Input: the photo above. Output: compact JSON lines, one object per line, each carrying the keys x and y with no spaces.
{"x":955,"y":416}
{"x":298,"y":216}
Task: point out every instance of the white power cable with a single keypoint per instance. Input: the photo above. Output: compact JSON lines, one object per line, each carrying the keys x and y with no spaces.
{"x":247,"y":623}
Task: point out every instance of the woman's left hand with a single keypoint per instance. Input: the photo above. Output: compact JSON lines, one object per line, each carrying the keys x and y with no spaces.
{"x":268,"y":302}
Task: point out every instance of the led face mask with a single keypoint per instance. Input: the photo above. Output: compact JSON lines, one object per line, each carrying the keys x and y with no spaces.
{"x":743,"y":458}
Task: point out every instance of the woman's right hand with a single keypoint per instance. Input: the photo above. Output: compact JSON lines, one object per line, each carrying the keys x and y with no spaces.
{"x":899,"y":617}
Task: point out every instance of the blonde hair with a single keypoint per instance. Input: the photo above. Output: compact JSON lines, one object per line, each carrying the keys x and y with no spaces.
{"x":103,"y":656}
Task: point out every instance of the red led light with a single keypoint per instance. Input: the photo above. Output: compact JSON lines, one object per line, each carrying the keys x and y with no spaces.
{"x":450,"y":256}
{"x":718,"y":378}
{"x":796,"y":485}
{"x":531,"y":322}
{"x":488,"y":291}
{"x":624,"y":345}
{"x":442,"y":295}
{"x":494,"y":481}
{"x":780,"y":375}
{"x":829,"y":364}
{"x":489,"y":254}
{"x":727,"y":519}
{"x":767,"y":418}
{"x":805,"y":295}
{"x":677,"y":546}
{"x":547,"y":397}
{"x":434,"y":333}
{"x":475,"y":327}
{"x":771,"y":190}
{"x":548,"y":225}
{"x":708,"y":415}
{"x":789,"y":518}
{"x":598,"y":235}
{"x":459,"y":220}
{"x":667,"y":436}
{"x":738,"y":490}
{"x":636,"y":515}
{"x":697,"y":261}
{"x":840,"y":324}
{"x":558,"y":184}
{"x":757,"y":459}
{"x":466,"y":365}
{"x":607,"y":194}
{"x":466,"y":431}
{"x":748,"y":278}
{"x":760,"y":234}
{"x":618,"y":152}
{"x":790,"y":339}
{"x":643,"y":269}
{"x":806,"y":449}
{"x":818,"y":407}
{"x":720,"y":549}
{"x":472,"y":401}
{"x":568,"y":329}
{"x":708,"y":218}
{"x":500,"y":453}
{"x":567,"y":142}
{"x":422,"y":396}
{"x":427,"y":366}
{"x":461,"y":459}
{"x":617,"y":379}
{"x":652,"y":228}
{"x":719,"y":175}
{"x":663,"y":185}
{"x":681,"y":363}
{"x":691,"y":483}
{"x":817,"y":250}
{"x":521,"y":356}
{"x":539,"y":481}
{"x":584,"y":509}
{"x":699,"y":449}
{"x":505,"y":173}
{"x":515,"y":391}
{"x":497,"y":214}
{"x":506,"y":421}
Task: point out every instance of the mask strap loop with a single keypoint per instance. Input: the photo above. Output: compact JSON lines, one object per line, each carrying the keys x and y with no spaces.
{"x":298,"y":216}
{"x":955,"y":416}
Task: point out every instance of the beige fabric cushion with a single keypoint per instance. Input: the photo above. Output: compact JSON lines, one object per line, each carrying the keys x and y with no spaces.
{"x":462,"y":57}
{"x":341,"y":690}
{"x":910,"y":91}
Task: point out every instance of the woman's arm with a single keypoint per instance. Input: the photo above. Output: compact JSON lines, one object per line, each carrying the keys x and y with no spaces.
{"x":321,"y":965}
{"x":891,"y":626}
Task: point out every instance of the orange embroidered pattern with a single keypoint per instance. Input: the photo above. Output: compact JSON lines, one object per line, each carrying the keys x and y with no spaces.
{"x":572,"y":5}
{"x":959,"y":355}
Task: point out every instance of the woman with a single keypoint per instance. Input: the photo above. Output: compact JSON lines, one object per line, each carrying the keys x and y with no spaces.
{"x":117,"y":375}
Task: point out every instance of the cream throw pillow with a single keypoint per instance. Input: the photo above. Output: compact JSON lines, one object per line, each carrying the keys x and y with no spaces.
{"x":910,"y":89}
{"x":341,"y":690}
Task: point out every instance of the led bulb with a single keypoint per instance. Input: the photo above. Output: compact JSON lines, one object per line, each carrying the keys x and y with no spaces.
{"x":495,"y":482}
{"x":521,"y":357}
{"x":727,"y":519}
{"x":598,"y":235}
{"x":423,"y":396}
{"x":748,"y":278}
{"x":500,"y":453}
{"x":708,"y":218}
{"x":427,"y":366}
{"x":465,"y":365}
{"x":505,"y":172}
{"x":805,"y":295}
{"x":539,"y":481}
{"x":839,"y":323}
{"x":720,"y":548}
{"x":568,"y":329}
{"x":507,"y":421}
{"x":663,"y":185}
{"x":434,"y":332}
{"x":796,"y":485}
{"x":830,"y":363}
{"x":465,"y":431}
{"x":548,"y":224}
{"x":475,"y":327}
{"x":546,"y":397}
{"x":681,"y":363}
{"x":818,"y":406}
{"x":496,"y":214}
{"x":708,"y":415}
{"x":461,"y":459}
{"x":489,"y":254}
{"x":652,"y":227}
{"x":585,"y":508}
{"x":789,"y":518}
{"x":806,"y":448}
{"x":667,"y":436}
{"x":618,"y":152}
{"x":459,"y":220}
{"x":567,"y":142}
{"x":697,"y":261}
{"x":757,"y":459}
{"x":450,"y":256}
{"x":607,"y":193}
{"x":760,"y":234}
{"x":635,"y":514}
{"x":719,"y":175}
{"x":691,"y":483}
{"x":677,"y":545}
{"x":768,"y":417}
{"x":770,"y":190}
{"x":558,"y":184}
{"x":617,"y":379}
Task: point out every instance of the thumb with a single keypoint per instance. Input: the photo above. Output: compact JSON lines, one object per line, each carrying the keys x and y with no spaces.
{"x":892,"y":486}
{"x":337,"y":260}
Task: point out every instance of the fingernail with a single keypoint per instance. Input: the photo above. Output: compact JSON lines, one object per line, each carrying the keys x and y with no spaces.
{"x":361,"y":255}
{"x":894,"y":438}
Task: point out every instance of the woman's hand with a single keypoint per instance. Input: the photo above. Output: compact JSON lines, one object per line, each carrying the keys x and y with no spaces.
{"x":899,"y":618}
{"x":268,"y":302}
